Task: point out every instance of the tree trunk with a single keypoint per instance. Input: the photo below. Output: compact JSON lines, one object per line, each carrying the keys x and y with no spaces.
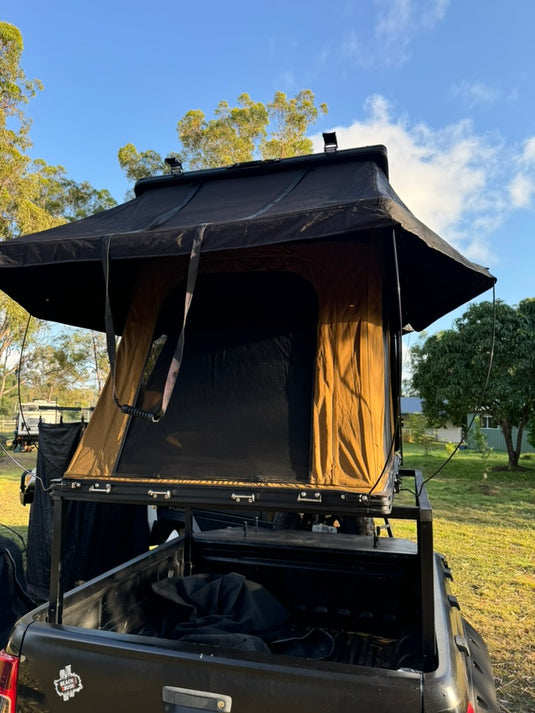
{"x":521,"y":427}
{"x":512,"y":453}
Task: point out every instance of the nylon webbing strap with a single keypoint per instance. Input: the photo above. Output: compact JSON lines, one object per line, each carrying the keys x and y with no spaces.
{"x":176,"y":360}
{"x":108,"y":316}
{"x":282,"y":195}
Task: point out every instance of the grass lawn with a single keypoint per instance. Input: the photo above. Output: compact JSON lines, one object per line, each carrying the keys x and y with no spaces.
{"x":12,"y":513}
{"x":485,"y":526}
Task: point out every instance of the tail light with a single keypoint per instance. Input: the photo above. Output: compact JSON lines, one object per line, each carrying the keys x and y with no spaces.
{"x":9,"y":669}
{"x":470,"y":708}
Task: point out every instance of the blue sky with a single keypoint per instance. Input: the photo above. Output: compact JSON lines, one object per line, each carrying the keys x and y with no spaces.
{"x":446,"y":85}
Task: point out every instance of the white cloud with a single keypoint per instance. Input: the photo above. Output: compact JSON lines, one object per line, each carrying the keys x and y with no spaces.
{"x":522,"y":185}
{"x":475,"y":93}
{"x":521,"y":190}
{"x":450,"y":178}
{"x":528,"y":153}
{"x":287,"y":81}
{"x":397,"y":24}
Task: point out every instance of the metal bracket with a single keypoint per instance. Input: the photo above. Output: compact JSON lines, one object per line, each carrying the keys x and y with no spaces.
{"x":155,"y":494}
{"x":462,"y":644}
{"x":98,"y":488}
{"x":454,"y":602}
{"x":377,"y":532}
{"x":357,"y":497}
{"x":238,"y":497}
{"x":305,"y":497}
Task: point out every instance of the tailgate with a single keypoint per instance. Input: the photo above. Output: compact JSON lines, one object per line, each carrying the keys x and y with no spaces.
{"x":104,"y":672}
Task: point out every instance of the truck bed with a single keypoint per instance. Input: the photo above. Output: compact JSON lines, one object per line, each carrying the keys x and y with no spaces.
{"x":351,"y":639}
{"x":356,"y":608}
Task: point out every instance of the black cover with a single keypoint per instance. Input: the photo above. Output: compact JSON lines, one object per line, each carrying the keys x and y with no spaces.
{"x":231,"y":611}
{"x":14,"y":600}
{"x":99,"y":536}
{"x":315,"y":197}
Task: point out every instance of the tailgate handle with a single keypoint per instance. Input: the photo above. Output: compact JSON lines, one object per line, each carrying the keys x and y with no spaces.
{"x":187,"y":700}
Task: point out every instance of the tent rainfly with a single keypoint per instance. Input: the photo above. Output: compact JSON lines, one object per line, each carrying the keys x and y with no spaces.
{"x":260,"y":307}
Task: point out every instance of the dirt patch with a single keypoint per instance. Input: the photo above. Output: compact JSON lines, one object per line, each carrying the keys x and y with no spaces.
{"x":487,"y":489}
{"x":508,"y":469}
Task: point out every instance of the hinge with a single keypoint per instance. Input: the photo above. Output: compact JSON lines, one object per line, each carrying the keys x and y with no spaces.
{"x":360,"y":498}
{"x":155,"y":494}
{"x":238,"y":497}
{"x":305,"y":497}
{"x":98,"y":488}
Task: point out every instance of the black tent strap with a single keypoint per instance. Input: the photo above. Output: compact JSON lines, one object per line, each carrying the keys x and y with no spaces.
{"x":176,"y":360}
{"x":289,"y":188}
{"x":168,"y":214}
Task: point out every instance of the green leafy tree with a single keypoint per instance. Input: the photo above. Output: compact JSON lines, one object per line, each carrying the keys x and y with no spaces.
{"x":66,"y":200}
{"x":33,"y":196}
{"x":291,"y":119}
{"x":418,"y":431}
{"x":478,"y":441}
{"x":14,"y":330}
{"x":69,"y":368}
{"x":232,"y":136}
{"x":450,"y":369}
{"x":139,"y":164}
{"x":246,"y":132}
{"x":18,"y":210}
{"x":530,"y":430}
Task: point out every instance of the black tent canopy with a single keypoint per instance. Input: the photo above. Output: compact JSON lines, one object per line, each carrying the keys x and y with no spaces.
{"x":58,"y":274}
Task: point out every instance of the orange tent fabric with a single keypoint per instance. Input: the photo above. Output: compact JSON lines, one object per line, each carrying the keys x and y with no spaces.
{"x":351,"y":430}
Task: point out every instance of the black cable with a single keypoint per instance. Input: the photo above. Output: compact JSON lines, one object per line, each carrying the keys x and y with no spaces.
{"x":478,"y":407}
{"x":8,"y":454}
{"x":24,"y":594}
{"x":19,"y":397}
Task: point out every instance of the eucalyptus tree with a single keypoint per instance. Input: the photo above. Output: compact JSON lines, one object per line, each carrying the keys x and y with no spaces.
{"x":34,"y":196}
{"x":248,"y":131}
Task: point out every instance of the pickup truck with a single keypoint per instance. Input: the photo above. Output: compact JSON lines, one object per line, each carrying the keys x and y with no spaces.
{"x":253,"y":404}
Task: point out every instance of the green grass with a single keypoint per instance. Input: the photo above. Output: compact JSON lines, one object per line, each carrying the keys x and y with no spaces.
{"x":485,"y":526}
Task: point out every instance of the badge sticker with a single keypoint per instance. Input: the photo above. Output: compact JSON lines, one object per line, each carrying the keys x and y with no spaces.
{"x":68,"y":683}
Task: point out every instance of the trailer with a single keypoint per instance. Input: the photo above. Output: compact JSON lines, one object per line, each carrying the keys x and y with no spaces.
{"x":32,"y":414}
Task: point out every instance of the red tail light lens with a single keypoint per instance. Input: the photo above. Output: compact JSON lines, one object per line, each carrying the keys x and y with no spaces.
{"x":470,"y":708}
{"x":9,"y":669}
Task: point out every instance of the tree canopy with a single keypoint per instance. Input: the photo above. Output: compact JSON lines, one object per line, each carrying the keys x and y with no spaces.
{"x":68,"y":367}
{"x":34,"y":196}
{"x":245,"y":132}
{"x":450,"y":369}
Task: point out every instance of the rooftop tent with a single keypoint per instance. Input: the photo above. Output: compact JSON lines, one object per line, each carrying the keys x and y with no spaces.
{"x":307,"y":269}
{"x":309,"y":198}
